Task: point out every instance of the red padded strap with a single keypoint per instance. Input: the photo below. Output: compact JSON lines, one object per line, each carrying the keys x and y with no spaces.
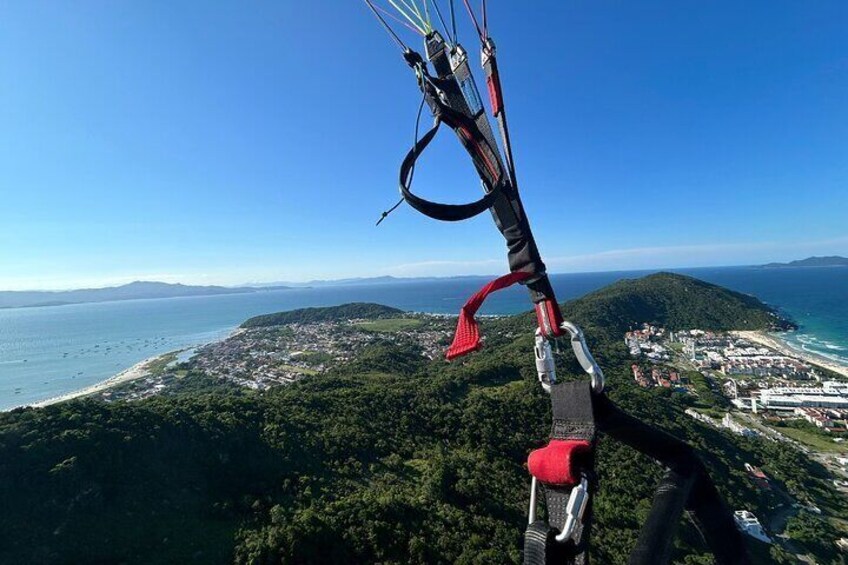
{"x":554,"y":464}
{"x":467,"y":337}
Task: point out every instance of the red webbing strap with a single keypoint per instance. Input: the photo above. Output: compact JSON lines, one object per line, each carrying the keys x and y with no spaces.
{"x":467,"y":337}
{"x":493,"y":83}
{"x":550,"y":318}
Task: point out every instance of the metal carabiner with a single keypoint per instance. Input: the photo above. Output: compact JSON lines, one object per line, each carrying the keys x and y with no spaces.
{"x":578,"y":500}
{"x":545,"y":364}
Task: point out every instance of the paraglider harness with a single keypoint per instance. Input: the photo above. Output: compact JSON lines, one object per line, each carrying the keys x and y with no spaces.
{"x":562,"y":472}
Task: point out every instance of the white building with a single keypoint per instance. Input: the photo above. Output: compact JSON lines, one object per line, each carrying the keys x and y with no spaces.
{"x":748,"y":523}
{"x":832,"y":394}
{"x":735,"y":427}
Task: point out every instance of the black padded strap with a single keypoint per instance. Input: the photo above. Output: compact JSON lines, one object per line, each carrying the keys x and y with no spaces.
{"x":688,"y":475}
{"x":656,"y":539}
{"x":538,"y":537}
{"x":437,"y":210}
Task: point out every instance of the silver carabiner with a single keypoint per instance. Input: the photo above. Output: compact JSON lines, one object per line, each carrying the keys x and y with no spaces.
{"x":546,"y":367}
{"x":574,"y":509}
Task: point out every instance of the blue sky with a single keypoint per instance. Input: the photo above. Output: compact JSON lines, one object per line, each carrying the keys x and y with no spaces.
{"x":230,"y":142}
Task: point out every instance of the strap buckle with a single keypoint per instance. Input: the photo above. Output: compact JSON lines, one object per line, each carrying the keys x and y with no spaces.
{"x":574,"y":510}
{"x":546,"y":366}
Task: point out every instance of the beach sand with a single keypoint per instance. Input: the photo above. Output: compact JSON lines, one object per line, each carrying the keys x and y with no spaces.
{"x":137,"y":371}
{"x":773,"y":342}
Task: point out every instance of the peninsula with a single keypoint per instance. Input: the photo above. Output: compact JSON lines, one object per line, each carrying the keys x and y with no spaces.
{"x":830,"y":261}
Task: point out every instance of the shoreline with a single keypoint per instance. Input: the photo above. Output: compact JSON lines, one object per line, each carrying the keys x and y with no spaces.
{"x":133,"y":373}
{"x":137,"y":371}
{"x":141,"y":369}
{"x":774,"y":341}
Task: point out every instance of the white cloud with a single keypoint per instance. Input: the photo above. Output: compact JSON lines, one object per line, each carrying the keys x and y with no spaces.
{"x":635,"y":258}
{"x":446,"y":268}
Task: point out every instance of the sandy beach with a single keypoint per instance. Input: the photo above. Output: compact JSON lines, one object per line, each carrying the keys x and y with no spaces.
{"x":770,"y":340}
{"x":137,"y":371}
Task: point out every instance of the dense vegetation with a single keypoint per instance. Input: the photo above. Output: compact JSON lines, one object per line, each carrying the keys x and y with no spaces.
{"x":355,"y":310}
{"x":391,"y":458}
{"x":676,"y":302}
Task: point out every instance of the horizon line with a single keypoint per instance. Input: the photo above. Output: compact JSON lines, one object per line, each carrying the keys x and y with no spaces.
{"x":352,"y":280}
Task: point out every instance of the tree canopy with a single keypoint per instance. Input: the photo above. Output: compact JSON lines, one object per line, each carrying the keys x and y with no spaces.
{"x":391,"y":458}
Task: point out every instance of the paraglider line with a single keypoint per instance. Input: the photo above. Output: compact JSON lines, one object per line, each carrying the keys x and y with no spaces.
{"x":407,"y":16}
{"x":442,"y":20}
{"x":413,"y":11}
{"x":387,"y":27}
{"x":398,"y":20}
{"x":385,"y":214}
{"x":453,"y":23}
{"x":473,"y":19}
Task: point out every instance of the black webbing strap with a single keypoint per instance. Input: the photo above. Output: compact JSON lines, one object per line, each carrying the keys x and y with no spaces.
{"x":571,"y":411}
{"x":656,"y":539}
{"x":686,"y":486}
{"x":437,"y":210}
{"x":687,"y":480}
{"x":445,"y":98}
{"x":542,"y":548}
{"x":493,"y":84}
{"x":573,"y":418}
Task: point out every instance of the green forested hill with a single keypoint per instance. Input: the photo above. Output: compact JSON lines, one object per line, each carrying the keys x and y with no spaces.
{"x":676,"y":302}
{"x":356,"y":310}
{"x":391,"y":459}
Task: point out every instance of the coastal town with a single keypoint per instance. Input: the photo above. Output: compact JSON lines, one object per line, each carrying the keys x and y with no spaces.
{"x":752,"y":375}
{"x":265,"y":357}
{"x":747,"y":384}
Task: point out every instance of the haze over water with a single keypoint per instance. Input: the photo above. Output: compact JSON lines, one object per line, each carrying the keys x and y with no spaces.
{"x":49,"y":351}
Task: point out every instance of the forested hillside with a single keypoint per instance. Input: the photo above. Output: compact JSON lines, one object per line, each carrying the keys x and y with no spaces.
{"x":362,"y":310}
{"x":392,"y":458}
{"x":675,"y":302}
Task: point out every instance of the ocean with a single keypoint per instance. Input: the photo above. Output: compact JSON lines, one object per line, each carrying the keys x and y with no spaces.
{"x":48,"y":351}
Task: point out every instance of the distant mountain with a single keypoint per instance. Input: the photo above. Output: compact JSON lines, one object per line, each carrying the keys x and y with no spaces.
{"x":387,"y":279}
{"x":831,"y":261}
{"x":132,"y":291}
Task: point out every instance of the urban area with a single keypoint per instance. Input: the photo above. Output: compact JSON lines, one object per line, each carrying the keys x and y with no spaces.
{"x":756,"y":391}
{"x":264,"y":357}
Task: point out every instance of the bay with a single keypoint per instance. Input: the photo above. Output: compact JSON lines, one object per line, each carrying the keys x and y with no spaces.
{"x":48,"y":351}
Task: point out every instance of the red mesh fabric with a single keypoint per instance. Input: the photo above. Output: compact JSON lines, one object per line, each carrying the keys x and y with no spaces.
{"x":467,"y":337}
{"x":554,"y":463}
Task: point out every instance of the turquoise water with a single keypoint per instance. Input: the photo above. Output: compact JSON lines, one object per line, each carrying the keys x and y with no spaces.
{"x":49,"y":351}
{"x":815,"y":298}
